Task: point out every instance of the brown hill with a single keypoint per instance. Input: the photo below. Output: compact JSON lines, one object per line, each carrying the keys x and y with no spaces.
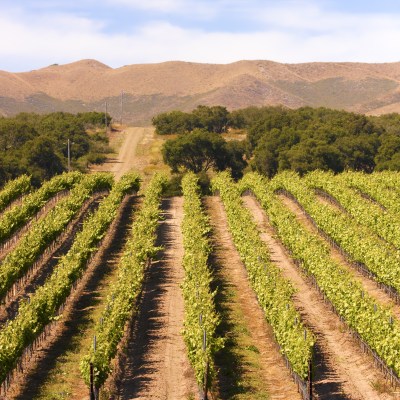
{"x":152,"y":88}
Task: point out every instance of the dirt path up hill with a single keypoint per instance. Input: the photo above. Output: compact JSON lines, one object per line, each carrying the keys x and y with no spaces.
{"x":126,"y":158}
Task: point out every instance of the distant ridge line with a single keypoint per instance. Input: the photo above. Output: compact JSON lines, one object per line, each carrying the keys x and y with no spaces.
{"x":153,"y":88}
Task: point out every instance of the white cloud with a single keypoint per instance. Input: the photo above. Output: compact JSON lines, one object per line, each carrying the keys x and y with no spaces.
{"x":158,"y":5}
{"x":285,"y":34}
{"x":311,"y":17}
{"x":196,"y":9}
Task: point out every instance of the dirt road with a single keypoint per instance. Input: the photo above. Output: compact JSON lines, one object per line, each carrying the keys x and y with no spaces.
{"x":127,"y":158}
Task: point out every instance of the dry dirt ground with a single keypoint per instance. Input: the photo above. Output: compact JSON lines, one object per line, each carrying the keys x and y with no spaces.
{"x":151,"y":88}
{"x":157,"y":366}
{"x":347,"y":373}
{"x":127,"y":158}
{"x":271,"y":370}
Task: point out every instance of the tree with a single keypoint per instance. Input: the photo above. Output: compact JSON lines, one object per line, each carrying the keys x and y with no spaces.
{"x":358,"y":152}
{"x":388,"y":156}
{"x":235,"y":158}
{"x":213,"y":119}
{"x":201,"y":150}
{"x":14,"y":133}
{"x":173,"y":122}
{"x":265,"y":162}
{"x":42,"y":159}
{"x":37,"y":144}
{"x":317,"y":138}
{"x":270,"y":153}
{"x":196,"y":151}
{"x":311,"y":154}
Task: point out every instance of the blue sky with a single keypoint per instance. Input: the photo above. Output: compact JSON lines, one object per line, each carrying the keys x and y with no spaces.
{"x":38,"y":33}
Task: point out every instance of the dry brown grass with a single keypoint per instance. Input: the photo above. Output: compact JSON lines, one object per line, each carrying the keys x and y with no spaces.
{"x":153,"y":88}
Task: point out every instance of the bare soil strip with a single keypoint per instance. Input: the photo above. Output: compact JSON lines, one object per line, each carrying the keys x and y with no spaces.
{"x":54,"y":369}
{"x":262,"y":374}
{"x":157,"y":366}
{"x":46,"y":265}
{"x":370,"y":286}
{"x":126,"y":159}
{"x":343,"y":371}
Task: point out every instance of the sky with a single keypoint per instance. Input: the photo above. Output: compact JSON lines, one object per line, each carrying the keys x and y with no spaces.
{"x":38,"y":33}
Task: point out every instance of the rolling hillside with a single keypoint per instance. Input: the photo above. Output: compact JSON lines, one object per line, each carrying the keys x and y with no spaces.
{"x":153,"y":88}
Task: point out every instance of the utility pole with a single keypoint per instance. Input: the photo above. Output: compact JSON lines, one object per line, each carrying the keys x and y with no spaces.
{"x":69,"y":154}
{"x":122,"y":104}
{"x":105,"y":118}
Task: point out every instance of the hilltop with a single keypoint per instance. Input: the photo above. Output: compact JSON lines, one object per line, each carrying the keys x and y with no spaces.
{"x":153,"y":88}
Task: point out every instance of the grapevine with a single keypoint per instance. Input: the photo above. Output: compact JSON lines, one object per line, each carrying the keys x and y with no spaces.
{"x":119,"y":306}
{"x":383,"y":224}
{"x":356,"y":240}
{"x":273,"y":291}
{"x":374,"y":323}
{"x":377,"y":186}
{"x":45,"y":230}
{"x":13,"y":189}
{"x":18,"y":215}
{"x":201,"y":319}
{"x":41,"y":308}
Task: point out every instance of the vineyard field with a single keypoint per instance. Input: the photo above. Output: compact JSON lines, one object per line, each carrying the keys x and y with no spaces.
{"x":282,"y":288}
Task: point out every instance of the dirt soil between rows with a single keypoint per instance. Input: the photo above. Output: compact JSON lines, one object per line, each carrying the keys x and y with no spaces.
{"x":342,"y":370}
{"x":271,"y":370}
{"x":157,"y":366}
{"x":370,"y":286}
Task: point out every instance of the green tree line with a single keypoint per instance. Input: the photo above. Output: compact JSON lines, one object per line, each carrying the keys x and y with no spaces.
{"x":37,"y":144}
{"x":213,"y":119}
{"x":199,"y":146}
{"x":319,"y":138}
{"x":280,"y":139}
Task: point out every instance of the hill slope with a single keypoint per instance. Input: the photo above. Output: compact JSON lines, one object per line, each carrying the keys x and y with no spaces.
{"x":152,"y":88}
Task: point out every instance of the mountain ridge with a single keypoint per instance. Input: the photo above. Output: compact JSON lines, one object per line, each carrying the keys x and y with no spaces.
{"x":149,"y":89}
